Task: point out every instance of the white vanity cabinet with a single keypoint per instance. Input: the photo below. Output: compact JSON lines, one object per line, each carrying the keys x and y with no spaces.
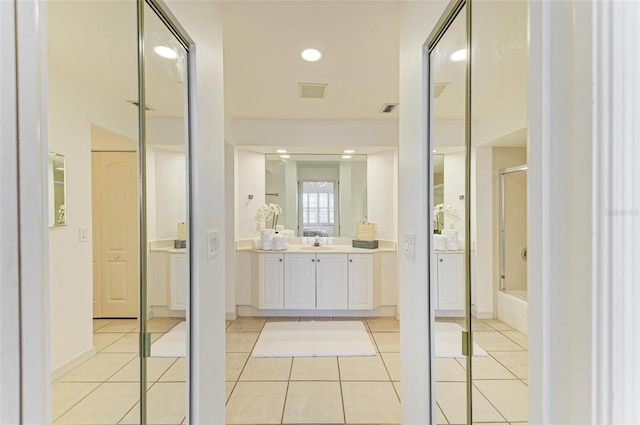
{"x":332,"y":278}
{"x":361,"y":282}
{"x":270,"y":281}
{"x":178,"y":282}
{"x":450,"y":278}
{"x":300,"y":281}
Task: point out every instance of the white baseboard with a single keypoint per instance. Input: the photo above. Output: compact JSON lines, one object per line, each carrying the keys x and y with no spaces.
{"x":449,"y":313}
{"x":162,"y":311}
{"x":231,"y":316}
{"x":68,"y":366}
{"x":382,"y":311}
{"x":484,"y":315}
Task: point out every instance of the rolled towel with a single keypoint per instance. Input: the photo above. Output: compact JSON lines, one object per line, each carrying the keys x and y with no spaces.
{"x":452,"y":239}
{"x":439,"y":242}
{"x":256,"y":243}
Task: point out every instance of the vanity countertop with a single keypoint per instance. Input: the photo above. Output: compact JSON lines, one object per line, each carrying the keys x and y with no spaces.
{"x":385,"y":246}
{"x":169,"y":250}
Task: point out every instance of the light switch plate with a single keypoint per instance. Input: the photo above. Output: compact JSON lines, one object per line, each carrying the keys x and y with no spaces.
{"x":409,"y":245}
{"x":213,"y":243}
{"x":83,"y":234}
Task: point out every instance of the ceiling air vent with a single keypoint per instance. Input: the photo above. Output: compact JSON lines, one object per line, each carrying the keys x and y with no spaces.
{"x":438,"y":88}
{"x":312,"y":90}
{"x":135,"y":102}
{"x":388,"y":108}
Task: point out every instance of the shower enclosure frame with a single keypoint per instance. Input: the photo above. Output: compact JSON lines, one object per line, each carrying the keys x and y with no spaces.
{"x":502,"y":172}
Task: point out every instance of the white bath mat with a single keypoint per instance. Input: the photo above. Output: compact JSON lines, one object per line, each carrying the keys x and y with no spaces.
{"x":313,"y":339}
{"x":449,"y":341}
{"x":171,"y":344}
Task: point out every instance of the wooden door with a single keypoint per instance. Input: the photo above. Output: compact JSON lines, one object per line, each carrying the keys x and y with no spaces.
{"x":115,"y":214}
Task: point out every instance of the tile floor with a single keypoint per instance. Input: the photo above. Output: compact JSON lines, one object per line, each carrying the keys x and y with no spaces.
{"x":104,"y":389}
{"x":366,"y":390}
{"x":323,"y":390}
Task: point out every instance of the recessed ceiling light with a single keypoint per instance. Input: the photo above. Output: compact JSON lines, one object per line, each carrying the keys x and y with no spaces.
{"x":311,"y":55}
{"x":346,"y":156}
{"x":349,"y":151}
{"x":285,"y":156}
{"x":458,"y":55}
{"x":165,"y":52}
{"x":281,"y":150}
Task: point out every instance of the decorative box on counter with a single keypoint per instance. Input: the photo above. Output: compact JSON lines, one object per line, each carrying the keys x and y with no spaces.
{"x":357,"y":243}
{"x":366,"y":231}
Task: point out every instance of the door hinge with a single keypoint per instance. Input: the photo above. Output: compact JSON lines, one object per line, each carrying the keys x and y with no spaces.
{"x":465,"y":343}
{"x":145,"y":344}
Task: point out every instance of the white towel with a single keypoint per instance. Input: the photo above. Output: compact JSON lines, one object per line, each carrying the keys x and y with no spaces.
{"x":452,"y":239}
{"x":439,"y":242}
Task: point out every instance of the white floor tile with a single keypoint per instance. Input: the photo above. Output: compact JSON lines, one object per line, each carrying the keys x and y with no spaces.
{"x":313,"y":402}
{"x":387,"y":342}
{"x":107,"y":404}
{"x":367,"y":368}
{"x":516,"y":361}
{"x":315,"y":369}
{"x":267,"y":369}
{"x":240,"y":342}
{"x":98,"y":368}
{"x":509,"y":397}
{"x":256,"y":403}
{"x":392,"y":363}
{"x":370,"y":403}
{"x":64,"y":395}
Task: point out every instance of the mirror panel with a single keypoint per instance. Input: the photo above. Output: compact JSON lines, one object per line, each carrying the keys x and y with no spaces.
{"x":166,"y":220}
{"x":448,"y":68}
{"x":323,"y":195}
{"x":57,"y":191}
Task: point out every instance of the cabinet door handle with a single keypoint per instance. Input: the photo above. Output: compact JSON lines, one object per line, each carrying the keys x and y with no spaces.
{"x":440,"y":260}
{"x":281,"y":260}
{"x":312,"y":260}
{"x":318,"y":260}
{"x":351,"y":261}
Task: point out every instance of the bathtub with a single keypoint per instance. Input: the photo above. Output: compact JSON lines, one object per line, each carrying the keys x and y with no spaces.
{"x":512,"y":309}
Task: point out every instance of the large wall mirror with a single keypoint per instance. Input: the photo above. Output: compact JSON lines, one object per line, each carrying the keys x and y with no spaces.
{"x":323,"y":195}
{"x":57,"y":192}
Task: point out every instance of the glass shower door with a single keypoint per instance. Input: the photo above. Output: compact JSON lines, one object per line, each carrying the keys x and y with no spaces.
{"x":513,"y":231}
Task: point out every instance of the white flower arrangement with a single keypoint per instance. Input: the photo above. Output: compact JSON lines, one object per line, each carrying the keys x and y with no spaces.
{"x":266,"y":213}
{"x":449,"y":211}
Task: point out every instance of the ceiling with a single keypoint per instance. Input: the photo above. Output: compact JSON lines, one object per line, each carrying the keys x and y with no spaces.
{"x":95,"y":43}
{"x":262,"y":45}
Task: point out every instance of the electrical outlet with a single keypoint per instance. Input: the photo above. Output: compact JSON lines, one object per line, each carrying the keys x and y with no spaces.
{"x":409,"y":245}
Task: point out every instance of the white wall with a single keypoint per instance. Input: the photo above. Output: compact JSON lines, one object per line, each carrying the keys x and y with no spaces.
{"x":72,"y":109}
{"x":416,"y":22}
{"x":203,"y":22}
{"x":483,"y":232}
{"x":316,"y":133}
{"x":454,"y":175}
{"x":230,"y":231}
{"x":9,"y":233}
{"x":382,"y":193}
{"x":166,"y":173}
{"x":250,"y":180}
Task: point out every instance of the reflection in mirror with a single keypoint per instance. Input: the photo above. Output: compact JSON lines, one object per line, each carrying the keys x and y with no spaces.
{"x":323,"y":195}
{"x":448,"y":70}
{"x":438,"y":192}
{"x":166,"y":220}
{"x":57,"y":193}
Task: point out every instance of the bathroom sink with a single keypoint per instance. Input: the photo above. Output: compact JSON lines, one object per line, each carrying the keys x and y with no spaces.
{"x":316,"y":248}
